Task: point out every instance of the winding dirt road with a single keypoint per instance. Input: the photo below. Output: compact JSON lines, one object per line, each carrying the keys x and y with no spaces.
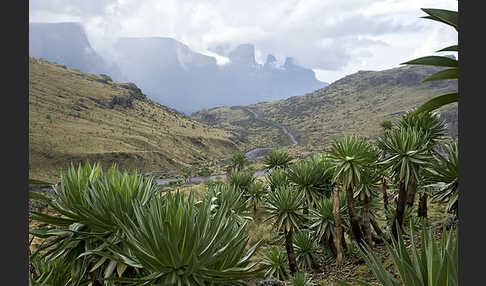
{"x":258,"y":152}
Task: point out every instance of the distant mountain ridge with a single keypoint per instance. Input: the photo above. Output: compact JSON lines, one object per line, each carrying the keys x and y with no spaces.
{"x":175,"y":75}
{"x":171,"y":73}
{"x":356,"y":103}
{"x":67,"y":44}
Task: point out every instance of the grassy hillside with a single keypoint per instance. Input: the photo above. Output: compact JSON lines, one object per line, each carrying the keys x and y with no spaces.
{"x":355,"y":103}
{"x":74,"y":116}
{"x":240,"y":121}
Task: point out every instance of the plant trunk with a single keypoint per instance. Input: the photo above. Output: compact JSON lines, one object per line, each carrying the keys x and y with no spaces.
{"x":411,"y":191}
{"x":331,"y":245}
{"x":338,"y":230}
{"x":385,"y":193}
{"x":290,"y":251}
{"x":343,"y":241}
{"x":355,"y":228}
{"x":422,"y":207}
{"x":376,"y":228}
{"x":228,"y":174}
{"x":305,"y":212}
{"x":402,"y":199}
{"x":366,"y":221}
{"x":314,"y":264}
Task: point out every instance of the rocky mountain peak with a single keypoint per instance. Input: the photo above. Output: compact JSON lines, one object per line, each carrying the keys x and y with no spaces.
{"x":271,"y":61}
{"x":244,"y":53}
{"x":289,"y":63}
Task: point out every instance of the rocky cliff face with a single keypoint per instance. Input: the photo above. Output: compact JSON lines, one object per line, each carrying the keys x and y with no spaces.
{"x":67,"y":44}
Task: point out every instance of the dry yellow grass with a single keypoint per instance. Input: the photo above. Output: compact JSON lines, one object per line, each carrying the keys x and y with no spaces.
{"x":70,"y":120}
{"x":357,"y":103}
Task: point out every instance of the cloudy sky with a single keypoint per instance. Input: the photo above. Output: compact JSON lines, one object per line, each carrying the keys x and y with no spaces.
{"x":334,"y":38}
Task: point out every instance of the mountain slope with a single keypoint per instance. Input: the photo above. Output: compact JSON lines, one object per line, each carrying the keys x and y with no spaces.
{"x":356,"y":103}
{"x":74,"y":116}
{"x":66,"y":43}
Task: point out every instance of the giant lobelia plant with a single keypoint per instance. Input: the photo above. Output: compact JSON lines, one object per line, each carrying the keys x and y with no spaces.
{"x":283,"y":207}
{"x":89,"y":203}
{"x":178,"y":242}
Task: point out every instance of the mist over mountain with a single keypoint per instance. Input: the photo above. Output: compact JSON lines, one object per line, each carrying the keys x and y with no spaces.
{"x":171,"y":73}
{"x":67,"y":44}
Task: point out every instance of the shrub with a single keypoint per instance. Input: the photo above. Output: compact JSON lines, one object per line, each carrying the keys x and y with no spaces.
{"x":90,"y":203}
{"x":180,"y":243}
{"x":275,"y":263}
{"x":434,"y":263}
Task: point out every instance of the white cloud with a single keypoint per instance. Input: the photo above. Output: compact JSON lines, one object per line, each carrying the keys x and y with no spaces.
{"x":334,"y":38}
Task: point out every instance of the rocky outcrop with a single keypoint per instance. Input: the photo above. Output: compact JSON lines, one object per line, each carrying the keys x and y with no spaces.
{"x":243,"y":54}
{"x":122,"y":101}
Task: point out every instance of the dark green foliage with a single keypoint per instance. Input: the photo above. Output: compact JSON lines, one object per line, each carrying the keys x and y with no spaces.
{"x":409,"y":218}
{"x":90,"y":203}
{"x":301,"y":279}
{"x":406,"y":151}
{"x":277,"y":178}
{"x":114,"y":229}
{"x":308,"y":177}
{"x":284,"y":206}
{"x":349,"y":156}
{"x":322,"y":219}
{"x":276,"y":159}
{"x":52,"y":272}
{"x":386,"y":125}
{"x":442,"y":172}
{"x":256,"y":193}
{"x":179,"y":243}
{"x":242,"y":180}
{"x":306,"y":248}
{"x":275,"y":263}
{"x":230,"y":197}
{"x":429,"y":123}
{"x":433,"y":263}
{"x":239,"y":161}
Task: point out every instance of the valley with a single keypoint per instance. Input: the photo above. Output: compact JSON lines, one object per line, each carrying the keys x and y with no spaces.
{"x":357,"y":103}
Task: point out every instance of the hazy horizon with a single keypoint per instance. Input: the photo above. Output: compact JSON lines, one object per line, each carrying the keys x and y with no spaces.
{"x":332,"y":38}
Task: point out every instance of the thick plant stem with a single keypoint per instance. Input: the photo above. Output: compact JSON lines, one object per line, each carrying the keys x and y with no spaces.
{"x":343,"y":241}
{"x":385,"y":193}
{"x":366,"y":221}
{"x":355,"y":227}
{"x":411,"y":191}
{"x":290,"y":251}
{"x":376,"y":227}
{"x":402,"y":199}
{"x":338,"y":230}
{"x":331,"y":245}
{"x":305,"y":212}
{"x":422,"y":207}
